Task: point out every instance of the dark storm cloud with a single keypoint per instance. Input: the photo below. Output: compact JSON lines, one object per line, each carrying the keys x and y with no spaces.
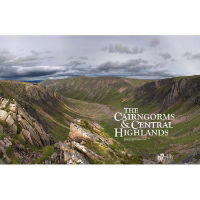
{"x":121,"y":49}
{"x":166,"y":56}
{"x":154,"y":42}
{"x":36,"y":64}
{"x":192,"y":56}
{"x":16,"y":72}
{"x":12,"y":66}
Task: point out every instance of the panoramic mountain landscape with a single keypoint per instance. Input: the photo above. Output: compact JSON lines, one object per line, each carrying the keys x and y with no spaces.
{"x":71,"y":120}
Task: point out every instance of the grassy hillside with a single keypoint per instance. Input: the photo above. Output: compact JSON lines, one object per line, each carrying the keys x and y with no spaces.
{"x":112,"y":91}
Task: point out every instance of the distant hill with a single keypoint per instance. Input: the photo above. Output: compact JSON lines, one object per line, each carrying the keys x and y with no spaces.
{"x":32,"y":81}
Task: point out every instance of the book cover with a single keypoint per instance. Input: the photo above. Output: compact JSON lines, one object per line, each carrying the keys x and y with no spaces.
{"x":99,"y":100}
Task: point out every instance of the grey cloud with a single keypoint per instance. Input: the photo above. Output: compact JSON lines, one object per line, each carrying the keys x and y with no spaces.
{"x":34,"y":65}
{"x":83,"y":58}
{"x":77,"y":58}
{"x":113,"y":66}
{"x":191,"y":56}
{"x":166,"y":56}
{"x":70,"y":58}
{"x":12,"y":67}
{"x":75,"y":63}
{"x":154,"y":42}
{"x":134,"y":67}
{"x":41,"y":54}
{"x":121,"y":49}
{"x":34,"y":58}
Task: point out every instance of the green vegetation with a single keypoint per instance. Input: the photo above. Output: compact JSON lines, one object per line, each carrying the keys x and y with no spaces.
{"x":47,"y":151}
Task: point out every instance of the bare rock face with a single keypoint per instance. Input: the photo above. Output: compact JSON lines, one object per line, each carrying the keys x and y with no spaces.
{"x":15,"y":120}
{"x":167,"y":92}
{"x":176,"y":91}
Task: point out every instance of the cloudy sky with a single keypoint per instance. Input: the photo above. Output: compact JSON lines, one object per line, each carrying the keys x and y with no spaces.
{"x":53,"y":57}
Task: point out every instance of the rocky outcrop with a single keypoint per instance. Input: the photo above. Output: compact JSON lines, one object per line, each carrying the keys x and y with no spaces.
{"x":25,"y":155}
{"x":79,"y":133}
{"x":65,"y":153}
{"x":15,"y":120}
{"x":88,"y":143}
{"x":177,"y":90}
{"x":167,"y":92}
{"x":90,"y":154}
{"x":13,"y":152}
